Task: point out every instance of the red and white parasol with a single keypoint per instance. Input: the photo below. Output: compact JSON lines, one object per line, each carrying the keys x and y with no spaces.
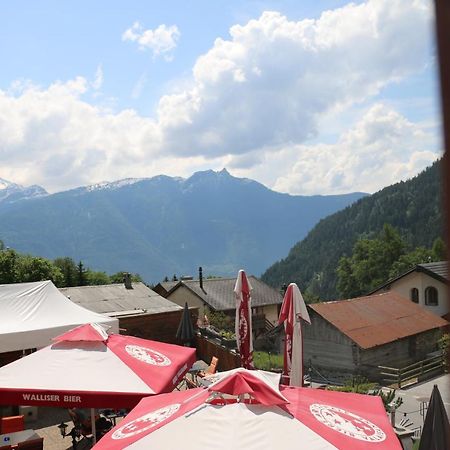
{"x":292,"y":311}
{"x":266,"y":418}
{"x":87,"y":368}
{"x":243,"y":323}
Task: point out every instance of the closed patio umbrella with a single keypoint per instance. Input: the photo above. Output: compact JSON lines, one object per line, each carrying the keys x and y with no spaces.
{"x":243,"y":323}
{"x":435,"y":433}
{"x":293,"y":310}
{"x":185,"y":330}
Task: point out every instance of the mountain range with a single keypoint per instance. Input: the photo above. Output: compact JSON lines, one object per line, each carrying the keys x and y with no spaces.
{"x":413,"y":207}
{"x":163,"y":226}
{"x":12,"y":192}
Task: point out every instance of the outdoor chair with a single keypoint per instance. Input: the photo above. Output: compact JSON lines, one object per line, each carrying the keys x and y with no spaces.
{"x":190,"y":383}
{"x":12,"y":424}
{"x":33,"y":444}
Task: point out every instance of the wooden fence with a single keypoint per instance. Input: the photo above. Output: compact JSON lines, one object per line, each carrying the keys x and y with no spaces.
{"x":207,"y":348}
{"x":414,"y":372}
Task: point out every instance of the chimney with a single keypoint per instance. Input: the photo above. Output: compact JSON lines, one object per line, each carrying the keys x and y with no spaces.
{"x":200,"y":277}
{"x":127,"y":280}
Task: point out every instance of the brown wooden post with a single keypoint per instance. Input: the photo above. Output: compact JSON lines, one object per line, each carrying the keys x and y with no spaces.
{"x":442,"y":11}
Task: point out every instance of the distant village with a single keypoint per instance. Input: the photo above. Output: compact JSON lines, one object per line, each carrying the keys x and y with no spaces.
{"x":394,"y":337}
{"x":400,"y":323}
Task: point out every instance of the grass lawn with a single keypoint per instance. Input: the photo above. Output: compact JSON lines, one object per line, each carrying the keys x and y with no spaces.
{"x":267,"y":361}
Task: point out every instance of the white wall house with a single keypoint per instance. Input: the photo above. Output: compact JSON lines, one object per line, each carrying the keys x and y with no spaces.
{"x":425,"y":284}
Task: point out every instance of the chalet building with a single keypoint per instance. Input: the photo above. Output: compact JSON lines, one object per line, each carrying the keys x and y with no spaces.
{"x":354,"y":337}
{"x":425,"y":285}
{"x":217,"y":294}
{"x":164,"y":287}
{"x":140,"y":310}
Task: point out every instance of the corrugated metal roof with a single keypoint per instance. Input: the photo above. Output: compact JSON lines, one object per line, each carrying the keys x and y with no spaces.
{"x":115,"y":298}
{"x":378,"y":319}
{"x":219,"y":292}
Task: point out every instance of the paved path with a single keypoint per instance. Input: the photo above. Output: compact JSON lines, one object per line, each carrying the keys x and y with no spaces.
{"x":46,"y":426}
{"x":418,"y":395}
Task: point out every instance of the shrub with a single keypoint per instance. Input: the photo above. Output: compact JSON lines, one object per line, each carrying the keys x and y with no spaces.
{"x":267,"y":360}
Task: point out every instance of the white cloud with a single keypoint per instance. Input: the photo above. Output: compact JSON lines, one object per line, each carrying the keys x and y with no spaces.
{"x":382,"y":148}
{"x":161,"y":40}
{"x":271,"y":82}
{"x":55,"y":138}
{"x":252,"y":104}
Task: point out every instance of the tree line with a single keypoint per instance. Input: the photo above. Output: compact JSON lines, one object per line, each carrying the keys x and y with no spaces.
{"x":375,"y":261}
{"x":17,"y":267}
{"x":413,"y":207}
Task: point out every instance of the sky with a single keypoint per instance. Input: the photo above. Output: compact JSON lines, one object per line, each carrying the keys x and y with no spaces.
{"x":305,"y":97}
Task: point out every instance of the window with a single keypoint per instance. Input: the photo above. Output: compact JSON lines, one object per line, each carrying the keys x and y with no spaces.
{"x":431,"y":296}
{"x":415,"y":295}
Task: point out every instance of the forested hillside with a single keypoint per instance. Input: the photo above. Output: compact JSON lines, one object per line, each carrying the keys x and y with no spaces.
{"x":412,"y":207}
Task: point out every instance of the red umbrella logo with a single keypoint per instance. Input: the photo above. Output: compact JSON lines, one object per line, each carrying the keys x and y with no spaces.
{"x":347,"y":423}
{"x":145,"y":422}
{"x":148,"y":355}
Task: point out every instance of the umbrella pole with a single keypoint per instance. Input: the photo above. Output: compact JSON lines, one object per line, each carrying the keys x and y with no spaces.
{"x":94,"y":431}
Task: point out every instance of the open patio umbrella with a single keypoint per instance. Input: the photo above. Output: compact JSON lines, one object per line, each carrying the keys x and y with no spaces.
{"x":243,"y":323}
{"x":245,"y":410}
{"x":86,"y":367}
{"x":292,"y":311}
{"x":185,"y":331}
{"x":436,"y":432}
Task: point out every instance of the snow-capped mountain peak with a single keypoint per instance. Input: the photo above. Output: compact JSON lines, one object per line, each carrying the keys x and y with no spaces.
{"x":104,"y":185}
{"x":11,"y":192}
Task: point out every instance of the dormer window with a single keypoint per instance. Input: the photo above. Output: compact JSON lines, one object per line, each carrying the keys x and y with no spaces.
{"x":415,"y":295}
{"x":431,"y":296}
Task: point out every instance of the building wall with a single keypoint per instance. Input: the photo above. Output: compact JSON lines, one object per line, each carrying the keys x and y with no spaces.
{"x":182,"y":295}
{"x":271,"y":313}
{"x":421,"y":281}
{"x":397,"y":354}
{"x":338,"y":358}
{"x":327,"y":349}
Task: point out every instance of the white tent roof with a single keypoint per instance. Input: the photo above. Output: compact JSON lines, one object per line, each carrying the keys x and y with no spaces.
{"x":31,"y":314}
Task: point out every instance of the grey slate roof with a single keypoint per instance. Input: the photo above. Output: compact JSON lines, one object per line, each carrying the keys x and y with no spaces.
{"x":437,"y":270}
{"x":219,"y":292}
{"x":115,"y":300}
{"x":168,"y":285}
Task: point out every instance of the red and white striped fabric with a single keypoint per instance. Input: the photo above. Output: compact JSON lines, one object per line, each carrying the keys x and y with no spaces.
{"x":243,"y":323}
{"x":292,"y":311}
{"x":213,"y":418}
{"x":87,"y":368}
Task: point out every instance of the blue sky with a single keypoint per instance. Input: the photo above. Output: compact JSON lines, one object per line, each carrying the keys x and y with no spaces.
{"x":306,"y":97}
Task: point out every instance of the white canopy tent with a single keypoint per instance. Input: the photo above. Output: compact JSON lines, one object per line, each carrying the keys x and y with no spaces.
{"x":31,"y":314}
